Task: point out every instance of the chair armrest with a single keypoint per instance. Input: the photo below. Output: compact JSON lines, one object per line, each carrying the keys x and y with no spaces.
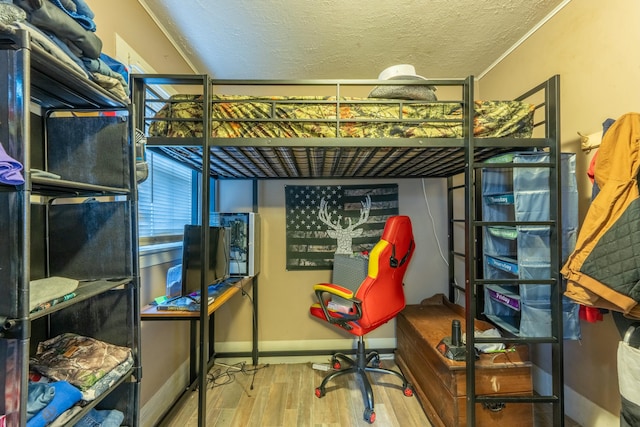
{"x":333,"y":289}
{"x":343,"y":318}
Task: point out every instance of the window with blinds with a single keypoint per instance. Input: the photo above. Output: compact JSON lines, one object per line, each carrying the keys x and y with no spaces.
{"x":167,"y":200}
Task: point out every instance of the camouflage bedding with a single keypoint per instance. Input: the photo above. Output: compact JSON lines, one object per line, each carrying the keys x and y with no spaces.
{"x":304,"y":117}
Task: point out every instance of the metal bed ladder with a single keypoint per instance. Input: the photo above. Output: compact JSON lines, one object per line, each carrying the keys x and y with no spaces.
{"x":474,"y":282}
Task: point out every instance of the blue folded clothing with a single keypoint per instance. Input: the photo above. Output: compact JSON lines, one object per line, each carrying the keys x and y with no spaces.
{"x":38,"y":397}
{"x":65,"y":397}
{"x":101,"y":418}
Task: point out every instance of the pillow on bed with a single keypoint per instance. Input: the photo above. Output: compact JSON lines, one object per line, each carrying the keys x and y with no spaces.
{"x":412,"y":92}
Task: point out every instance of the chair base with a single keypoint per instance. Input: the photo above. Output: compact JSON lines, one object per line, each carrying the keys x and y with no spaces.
{"x":363,"y":363}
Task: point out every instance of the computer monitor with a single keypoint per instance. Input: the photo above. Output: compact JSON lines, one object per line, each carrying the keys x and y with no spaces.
{"x":217,"y":269}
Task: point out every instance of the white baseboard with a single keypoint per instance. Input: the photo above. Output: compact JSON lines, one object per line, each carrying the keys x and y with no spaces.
{"x":295,"y":346}
{"x":577,"y":407}
{"x":165,"y":397}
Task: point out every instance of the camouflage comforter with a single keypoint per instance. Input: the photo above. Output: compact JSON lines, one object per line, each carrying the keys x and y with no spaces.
{"x":324,"y":117}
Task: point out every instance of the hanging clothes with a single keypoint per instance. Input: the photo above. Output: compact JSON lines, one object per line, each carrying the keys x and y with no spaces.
{"x":628,"y":359}
{"x":604,"y":269}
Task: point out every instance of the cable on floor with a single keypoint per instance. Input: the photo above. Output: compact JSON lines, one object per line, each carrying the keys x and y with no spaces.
{"x":218,"y":376}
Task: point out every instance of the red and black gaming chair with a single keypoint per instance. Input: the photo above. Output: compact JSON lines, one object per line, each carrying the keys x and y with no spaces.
{"x":377,"y":300}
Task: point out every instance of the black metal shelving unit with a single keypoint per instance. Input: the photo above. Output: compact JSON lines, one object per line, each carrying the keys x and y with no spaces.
{"x":82,"y":226}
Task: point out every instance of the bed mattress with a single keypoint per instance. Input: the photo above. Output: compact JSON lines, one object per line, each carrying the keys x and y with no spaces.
{"x":235,"y":116}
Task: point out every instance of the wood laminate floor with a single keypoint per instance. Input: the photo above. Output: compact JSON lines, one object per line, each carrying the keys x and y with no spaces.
{"x":283,"y":395}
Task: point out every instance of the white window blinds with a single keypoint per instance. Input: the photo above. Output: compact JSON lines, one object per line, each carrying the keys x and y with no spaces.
{"x":165,"y":199}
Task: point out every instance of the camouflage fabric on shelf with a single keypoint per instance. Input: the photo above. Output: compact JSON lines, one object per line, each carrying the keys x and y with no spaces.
{"x":80,"y":360}
{"x":236,"y":116}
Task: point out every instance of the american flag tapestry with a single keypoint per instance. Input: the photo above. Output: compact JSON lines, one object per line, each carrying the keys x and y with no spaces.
{"x":323,"y":220}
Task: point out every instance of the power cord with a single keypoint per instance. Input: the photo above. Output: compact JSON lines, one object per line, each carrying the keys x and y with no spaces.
{"x":254,"y":320}
{"x":433,"y":226}
{"x":218,"y":377}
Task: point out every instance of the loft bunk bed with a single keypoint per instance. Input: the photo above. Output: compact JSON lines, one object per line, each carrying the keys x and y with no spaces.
{"x":271,"y":136}
{"x":314,"y":129}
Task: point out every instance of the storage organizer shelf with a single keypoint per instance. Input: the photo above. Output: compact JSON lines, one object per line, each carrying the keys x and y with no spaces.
{"x":521,"y":195}
{"x":74,"y":219}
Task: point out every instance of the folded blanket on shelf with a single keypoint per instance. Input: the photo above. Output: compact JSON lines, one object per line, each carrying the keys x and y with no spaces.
{"x":104,"y":383}
{"x":79,"y":11}
{"x":45,"y":290}
{"x":80,"y":360}
{"x":49,"y":17}
{"x":103,"y":70}
{"x":42,"y":40}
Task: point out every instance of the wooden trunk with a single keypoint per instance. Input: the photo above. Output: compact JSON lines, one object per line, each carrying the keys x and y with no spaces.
{"x":440,"y":383}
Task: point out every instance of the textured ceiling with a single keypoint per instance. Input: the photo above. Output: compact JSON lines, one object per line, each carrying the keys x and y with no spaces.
{"x":325,"y":39}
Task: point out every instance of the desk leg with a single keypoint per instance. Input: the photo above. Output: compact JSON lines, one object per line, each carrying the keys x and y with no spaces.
{"x":254,"y":321}
{"x":212,"y":344}
{"x":193,"y":355}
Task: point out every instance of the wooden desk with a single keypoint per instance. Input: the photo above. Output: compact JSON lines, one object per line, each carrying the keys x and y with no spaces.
{"x":149,"y":312}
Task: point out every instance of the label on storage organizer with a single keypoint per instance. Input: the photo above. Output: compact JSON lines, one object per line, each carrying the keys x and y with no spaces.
{"x":510,"y":267}
{"x":500,"y":199}
{"x":503,"y":299}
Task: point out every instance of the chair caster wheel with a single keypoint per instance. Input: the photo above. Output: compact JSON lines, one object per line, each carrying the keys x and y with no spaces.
{"x":369,"y":416}
{"x":319,"y":392}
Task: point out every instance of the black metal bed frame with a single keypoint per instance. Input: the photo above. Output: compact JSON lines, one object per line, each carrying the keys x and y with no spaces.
{"x":315,"y":158}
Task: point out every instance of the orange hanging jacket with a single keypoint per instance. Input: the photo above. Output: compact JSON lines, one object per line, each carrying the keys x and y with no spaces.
{"x":604,"y":268}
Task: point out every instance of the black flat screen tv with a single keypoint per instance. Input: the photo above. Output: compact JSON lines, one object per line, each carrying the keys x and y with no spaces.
{"x":217,"y":268}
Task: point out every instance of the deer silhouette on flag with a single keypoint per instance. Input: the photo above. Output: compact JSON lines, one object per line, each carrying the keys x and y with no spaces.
{"x":323,"y":220}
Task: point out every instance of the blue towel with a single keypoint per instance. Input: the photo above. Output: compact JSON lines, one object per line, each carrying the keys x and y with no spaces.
{"x":10,"y":169}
